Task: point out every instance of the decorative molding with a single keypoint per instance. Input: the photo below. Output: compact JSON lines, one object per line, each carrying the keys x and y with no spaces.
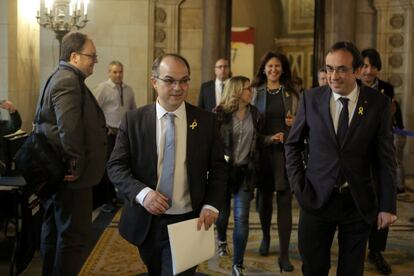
{"x":397,"y":21}
{"x":396,"y":80}
{"x":159,"y":34}
{"x":301,"y":16}
{"x":395,"y":60}
{"x":396,"y":40}
{"x":160,"y":15}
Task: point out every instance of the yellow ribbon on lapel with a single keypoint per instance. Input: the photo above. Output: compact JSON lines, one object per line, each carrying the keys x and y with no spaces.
{"x":193,"y":124}
{"x":360,"y":110}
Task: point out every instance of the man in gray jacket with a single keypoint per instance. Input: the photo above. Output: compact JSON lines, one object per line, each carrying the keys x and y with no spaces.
{"x":75,"y":125}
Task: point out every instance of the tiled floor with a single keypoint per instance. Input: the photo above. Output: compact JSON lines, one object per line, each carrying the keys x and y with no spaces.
{"x":400,"y":251}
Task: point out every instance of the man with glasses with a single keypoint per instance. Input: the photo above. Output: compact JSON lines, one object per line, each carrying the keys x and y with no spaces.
{"x":211,"y":91}
{"x":347,"y":127}
{"x":115,"y":98}
{"x":369,"y":76}
{"x":160,"y":162}
{"x":74,"y":124}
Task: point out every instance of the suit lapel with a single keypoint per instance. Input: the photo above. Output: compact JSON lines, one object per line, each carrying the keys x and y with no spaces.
{"x":151,"y":133}
{"x":192,"y":131}
{"x":324,"y":109}
{"x":360,"y":109}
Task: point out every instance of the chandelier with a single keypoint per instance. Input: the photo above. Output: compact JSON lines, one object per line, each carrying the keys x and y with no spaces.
{"x":63,"y":16}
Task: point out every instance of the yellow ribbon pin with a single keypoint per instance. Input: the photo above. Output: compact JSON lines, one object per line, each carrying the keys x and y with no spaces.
{"x":193,"y":125}
{"x":361,"y":110}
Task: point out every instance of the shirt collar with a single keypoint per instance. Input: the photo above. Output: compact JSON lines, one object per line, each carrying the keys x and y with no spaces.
{"x":76,"y":69}
{"x":219,"y":82}
{"x":375,"y":84}
{"x":112,"y":84}
{"x":179,"y":112}
{"x":353,"y":96}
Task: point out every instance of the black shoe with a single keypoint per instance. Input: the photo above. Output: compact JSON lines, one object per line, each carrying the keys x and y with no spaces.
{"x":285,"y":265}
{"x":264,"y":247}
{"x":222,"y":249}
{"x":237,"y":270}
{"x":108,"y":208}
{"x":380,"y":263}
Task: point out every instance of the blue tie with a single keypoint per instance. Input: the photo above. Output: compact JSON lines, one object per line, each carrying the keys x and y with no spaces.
{"x":165,"y":186}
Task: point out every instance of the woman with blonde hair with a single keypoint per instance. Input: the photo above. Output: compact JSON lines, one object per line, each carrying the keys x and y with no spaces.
{"x":239,"y":128}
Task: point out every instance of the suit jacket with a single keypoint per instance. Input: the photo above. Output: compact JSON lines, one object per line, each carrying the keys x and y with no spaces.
{"x":368,"y":144}
{"x":133,"y":165}
{"x":75,"y":125}
{"x":207,"y":97}
{"x":386,"y":89}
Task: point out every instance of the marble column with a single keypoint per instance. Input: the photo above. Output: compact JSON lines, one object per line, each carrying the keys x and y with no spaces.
{"x":395,"y":22}
{"x":216,"y":35}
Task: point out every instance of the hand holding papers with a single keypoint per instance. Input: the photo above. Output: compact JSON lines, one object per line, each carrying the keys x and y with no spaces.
{"x":190,"y":247}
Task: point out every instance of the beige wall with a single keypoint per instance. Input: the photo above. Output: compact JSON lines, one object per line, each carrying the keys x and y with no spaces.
{"x":20,"y":57}
{"x":265,"y":17}
{"x":119,"y":29}
{"x":191,"y":42}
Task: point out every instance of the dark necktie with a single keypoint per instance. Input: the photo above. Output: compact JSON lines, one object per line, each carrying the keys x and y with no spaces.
{"x":121,"y":94}
{"x":166,"y":184}
{"x":222,"y":87}
{"x":343,"y":121}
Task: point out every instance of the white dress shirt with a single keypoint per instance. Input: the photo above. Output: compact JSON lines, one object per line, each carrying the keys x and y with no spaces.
{"x":336,"y":105}
{"x":181,"y":201}
{"x":218,"y":90}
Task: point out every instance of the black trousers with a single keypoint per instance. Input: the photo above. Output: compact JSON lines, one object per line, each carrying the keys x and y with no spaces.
{"x":377,"y":238}
{"x":316,"y":232}
{"x":155,"y":252}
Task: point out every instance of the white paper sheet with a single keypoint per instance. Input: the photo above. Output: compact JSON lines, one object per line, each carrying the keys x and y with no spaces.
{"x":190,"y":247}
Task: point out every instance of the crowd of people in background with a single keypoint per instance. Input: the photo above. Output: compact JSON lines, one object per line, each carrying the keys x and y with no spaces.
{"x":264,"y":139}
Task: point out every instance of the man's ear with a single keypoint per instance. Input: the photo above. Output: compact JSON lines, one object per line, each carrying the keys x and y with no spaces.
{"x":154,"y":82}
{"x":74,"y":58}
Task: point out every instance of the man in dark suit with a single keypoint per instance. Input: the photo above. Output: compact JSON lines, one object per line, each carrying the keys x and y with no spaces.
{"x":369,"y":77}
{"x":211,"y":91}
{"x":140,"y":161}
{"x":348,"y":132}
{"x":74,"y":124}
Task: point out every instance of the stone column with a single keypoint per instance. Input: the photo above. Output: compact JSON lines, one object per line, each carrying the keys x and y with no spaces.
{"x":366,"y":25}
{"x":340,"y":21}
{"x":216,"y":35}
{"x":395,"y":44}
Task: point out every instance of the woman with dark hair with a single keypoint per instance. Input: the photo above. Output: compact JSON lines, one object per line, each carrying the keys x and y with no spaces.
{"x":277,"y":100}
{"x":239,"y":128}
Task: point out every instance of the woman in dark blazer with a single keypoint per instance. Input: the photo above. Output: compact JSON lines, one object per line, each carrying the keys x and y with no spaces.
{"x":239,"y":128}
{"x":277,"y":100}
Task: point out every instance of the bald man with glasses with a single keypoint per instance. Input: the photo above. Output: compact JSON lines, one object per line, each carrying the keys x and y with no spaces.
{"x":211,"y":91}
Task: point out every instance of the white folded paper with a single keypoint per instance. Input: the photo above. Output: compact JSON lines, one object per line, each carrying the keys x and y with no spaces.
{"x":190,"y":247}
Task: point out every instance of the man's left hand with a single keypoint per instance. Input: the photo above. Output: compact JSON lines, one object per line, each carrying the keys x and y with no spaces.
{"x":207,"y":217}
{"x":385,"y":219}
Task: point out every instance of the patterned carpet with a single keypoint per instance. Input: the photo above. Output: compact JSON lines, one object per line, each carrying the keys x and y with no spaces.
{"x":112,"y":255}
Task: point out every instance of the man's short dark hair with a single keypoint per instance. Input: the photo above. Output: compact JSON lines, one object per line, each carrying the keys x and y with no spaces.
{"x":155,"y":70}
{"x":373,"y":57}
{"x":72,"y":42}
{"x":348,"y":46}
{"x":322,"y":69}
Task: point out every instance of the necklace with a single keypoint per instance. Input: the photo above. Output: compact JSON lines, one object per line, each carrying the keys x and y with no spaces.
{"x":274,"y":91}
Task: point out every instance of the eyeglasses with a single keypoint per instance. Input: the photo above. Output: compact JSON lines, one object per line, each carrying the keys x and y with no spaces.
{"x":339,"y":69}
{"x":174,"y":82}
{"x":93,"y":56}
{"x":221,"y":66}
